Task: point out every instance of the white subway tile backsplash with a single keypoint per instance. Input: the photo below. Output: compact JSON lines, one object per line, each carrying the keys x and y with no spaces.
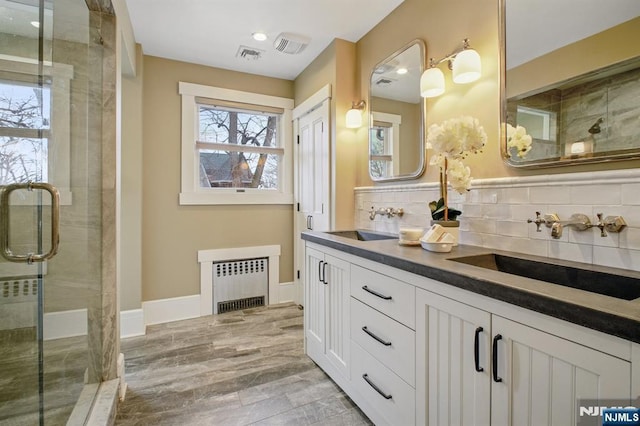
{"x":629,"y":238}
{"x":548,"y":195}
{"x":573,"y":252}
{"x":482,"y":226}
{"x":518,"y":245}
{"x":471,"y":210}
{"x":631,"y":194}
{"x":617,"y":257}
{"x":513,"y":229}
{"x":600,"y":194}
{"x":471,"y":238}
{"x":514,"y":196}
{"x":495,"y":213}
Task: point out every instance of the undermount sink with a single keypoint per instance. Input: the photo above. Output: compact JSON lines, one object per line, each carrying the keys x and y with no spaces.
{"x":618,"y":286}
{"x":363,"y":235}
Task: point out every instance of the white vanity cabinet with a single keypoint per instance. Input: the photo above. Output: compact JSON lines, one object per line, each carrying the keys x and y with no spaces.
{"x":478,"y":368}
{"x":412,"y":350}
{"x":326,"y":310}
{"x":383,"y":346}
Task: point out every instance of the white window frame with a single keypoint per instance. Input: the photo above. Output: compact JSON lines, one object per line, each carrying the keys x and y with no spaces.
{"x":392,"y":146}
{"x":59,"y":140}
{"x":191,"y":192}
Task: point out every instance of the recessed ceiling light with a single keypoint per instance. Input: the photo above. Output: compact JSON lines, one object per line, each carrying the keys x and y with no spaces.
{"x":35,"y":24}
{"x":402,"y":71}
{"x":259,"y":36}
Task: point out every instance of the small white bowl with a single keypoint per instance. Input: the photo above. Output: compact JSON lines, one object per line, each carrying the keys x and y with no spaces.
{"x":410,"y":234}
{"x":437,"y":247}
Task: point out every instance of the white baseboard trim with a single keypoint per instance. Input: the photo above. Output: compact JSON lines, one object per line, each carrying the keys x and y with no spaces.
{"x":168,"y":310}
{"x":58,"y":325}
{"x":287,"y":292}
{"x":132,"y":323}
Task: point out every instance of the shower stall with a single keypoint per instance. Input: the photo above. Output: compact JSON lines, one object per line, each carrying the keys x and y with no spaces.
{"x":58,"y":328}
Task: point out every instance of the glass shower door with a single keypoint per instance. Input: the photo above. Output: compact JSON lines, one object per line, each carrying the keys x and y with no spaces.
{"x":50,"y":169}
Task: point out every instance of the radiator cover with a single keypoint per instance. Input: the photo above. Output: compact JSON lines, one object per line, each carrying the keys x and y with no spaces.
{"x":240,"y":284}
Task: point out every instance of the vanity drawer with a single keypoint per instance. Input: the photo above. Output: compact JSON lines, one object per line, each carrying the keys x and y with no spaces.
{"x":394,"y":399}
{"x":388,"y":295}
{"x":387,"y":340}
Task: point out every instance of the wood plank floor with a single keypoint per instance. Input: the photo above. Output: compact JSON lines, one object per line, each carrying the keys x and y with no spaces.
{"x":238,"y":368}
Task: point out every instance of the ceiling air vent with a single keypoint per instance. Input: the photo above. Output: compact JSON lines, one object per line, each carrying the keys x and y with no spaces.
{"x":383,"y":82}
{"x":291,"y":43}
{"x":249,"y":53}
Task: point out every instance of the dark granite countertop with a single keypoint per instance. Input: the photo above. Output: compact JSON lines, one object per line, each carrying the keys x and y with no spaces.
{"x":603,"y":313}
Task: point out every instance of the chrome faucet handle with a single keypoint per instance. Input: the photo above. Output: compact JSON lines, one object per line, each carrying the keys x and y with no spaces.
{"x":548,"y":220}
{"x":601,"y":225}
{"x":538,"y":221}
{"x":614,"y":223}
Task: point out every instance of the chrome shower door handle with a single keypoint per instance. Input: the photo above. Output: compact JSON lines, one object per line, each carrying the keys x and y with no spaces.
{"x":5,"y":250}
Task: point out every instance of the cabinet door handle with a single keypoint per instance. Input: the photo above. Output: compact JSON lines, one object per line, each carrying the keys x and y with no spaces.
{"x":320,"y":271}
{"x":375,"y":293}
{"x":476,"y":349}
{"x":324,"y":273}
{"x":384,"y":342}
{"x":496,"y":338}
{"x":375,"y":387}
{"x":309,"y":222}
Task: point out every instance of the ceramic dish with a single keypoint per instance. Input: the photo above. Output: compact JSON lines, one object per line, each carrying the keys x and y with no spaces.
{"x":437,"y":247}
{"x":409,"y":243}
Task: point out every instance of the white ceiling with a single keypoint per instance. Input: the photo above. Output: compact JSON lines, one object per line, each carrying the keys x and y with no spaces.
{"x":209,"y":32}
{"x":538,"y":27}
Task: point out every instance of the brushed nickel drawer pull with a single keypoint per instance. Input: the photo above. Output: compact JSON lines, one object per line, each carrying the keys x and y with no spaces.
{"x":375,"y":293}
{"x":384,"y":342}
{"x":375,"y":387}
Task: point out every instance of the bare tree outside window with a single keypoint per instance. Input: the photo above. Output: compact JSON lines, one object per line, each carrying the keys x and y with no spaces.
{"x":24,"y":129}
{"x":240,"y":166}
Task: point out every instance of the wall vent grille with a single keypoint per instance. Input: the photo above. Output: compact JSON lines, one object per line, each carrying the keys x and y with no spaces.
{"x":18,"y":289}
{"x":236,"y":305}
{"x":240,"y":284}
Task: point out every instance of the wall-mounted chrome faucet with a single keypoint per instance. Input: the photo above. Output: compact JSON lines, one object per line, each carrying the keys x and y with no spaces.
{"x":580,"y":222}
{"x":389,"y":212}
{"x":547,"y":220}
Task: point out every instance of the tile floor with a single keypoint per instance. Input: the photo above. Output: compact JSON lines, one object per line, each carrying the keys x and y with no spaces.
{"x":238,"y":368}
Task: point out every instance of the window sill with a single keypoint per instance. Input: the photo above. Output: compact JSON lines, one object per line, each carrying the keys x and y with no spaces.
{"x":231,"y":198}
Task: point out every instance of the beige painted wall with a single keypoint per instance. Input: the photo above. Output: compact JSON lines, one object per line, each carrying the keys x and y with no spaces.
{"x":131,"y":192}
{"x":172,"y":234}
{"x":336,"y":65}
{"x":443,"y":24}
{"x":581,"y":57}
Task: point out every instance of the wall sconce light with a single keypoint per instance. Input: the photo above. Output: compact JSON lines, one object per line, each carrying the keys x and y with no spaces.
{"x":464,"y":63}
{"x":354,"y":115}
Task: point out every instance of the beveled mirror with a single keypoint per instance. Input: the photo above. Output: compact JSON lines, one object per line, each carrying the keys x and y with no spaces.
{"x":571,"y":81}
{"x":397,"y":115}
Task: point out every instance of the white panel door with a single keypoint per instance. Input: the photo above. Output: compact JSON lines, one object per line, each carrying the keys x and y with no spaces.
{"x":313,"y":169}
{"x":540,"y":377}
{"x":312,"y":178}
{"x":453,"y":382}
{"x":337,"y":312}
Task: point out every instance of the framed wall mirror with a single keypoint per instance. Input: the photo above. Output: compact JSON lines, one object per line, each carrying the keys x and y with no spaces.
{"x":397,"y":115}
{"x":571,"y":81}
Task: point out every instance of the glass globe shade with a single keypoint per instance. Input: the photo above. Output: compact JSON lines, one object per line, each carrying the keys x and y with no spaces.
{"x":467,"y":67}
{"x":432,"y":83}
{"x":354,"y":119}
